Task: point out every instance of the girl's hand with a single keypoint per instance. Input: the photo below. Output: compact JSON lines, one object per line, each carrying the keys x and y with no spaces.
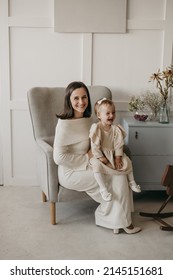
{"x":118,"y":162}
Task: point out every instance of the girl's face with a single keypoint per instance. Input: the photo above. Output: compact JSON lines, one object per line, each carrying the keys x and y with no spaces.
{"x":106,"y":114}
{"x":79,"y":102}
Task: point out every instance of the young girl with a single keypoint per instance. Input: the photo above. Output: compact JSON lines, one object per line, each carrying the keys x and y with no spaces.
{"x":107,"y":141}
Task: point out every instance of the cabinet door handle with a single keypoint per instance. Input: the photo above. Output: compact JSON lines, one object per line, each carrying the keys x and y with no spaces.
{"x":136,"y":135}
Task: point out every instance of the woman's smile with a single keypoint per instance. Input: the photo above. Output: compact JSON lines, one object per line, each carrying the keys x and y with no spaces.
{"x":79,"y":102}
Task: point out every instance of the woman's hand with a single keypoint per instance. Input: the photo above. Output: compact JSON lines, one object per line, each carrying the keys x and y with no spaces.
{"x":104,"y":160}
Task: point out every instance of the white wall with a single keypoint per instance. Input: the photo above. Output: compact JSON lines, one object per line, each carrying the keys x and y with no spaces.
{"x":32,"y":54}
{"x":1,"y":159}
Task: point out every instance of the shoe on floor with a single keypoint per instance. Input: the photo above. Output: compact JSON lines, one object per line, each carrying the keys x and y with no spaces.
{"x":134,"y":187}
{"x":132,"y":230}
{"x":128,"y":230}
{"x":116,"y":230}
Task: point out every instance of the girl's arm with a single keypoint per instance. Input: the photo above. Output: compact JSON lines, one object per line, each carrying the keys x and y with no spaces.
{"x":97,"y":152}
{"x":95,"y":141}
{"x":118,"y":141}
{"x":118,"y":162}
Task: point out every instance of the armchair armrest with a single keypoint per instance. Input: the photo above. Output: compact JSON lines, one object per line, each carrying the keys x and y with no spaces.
{"x":48,"y":170}
{"x":45,"y":146}
{"x":127,"y":151}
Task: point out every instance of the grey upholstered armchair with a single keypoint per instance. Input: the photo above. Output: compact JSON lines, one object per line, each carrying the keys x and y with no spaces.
{"x":44,"y":104}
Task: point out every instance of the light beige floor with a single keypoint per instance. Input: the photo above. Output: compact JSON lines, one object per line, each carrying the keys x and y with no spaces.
{"x":26,"y":233}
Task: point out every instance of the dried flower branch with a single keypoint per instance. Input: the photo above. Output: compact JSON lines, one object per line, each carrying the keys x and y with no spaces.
{"x":164,"y":81}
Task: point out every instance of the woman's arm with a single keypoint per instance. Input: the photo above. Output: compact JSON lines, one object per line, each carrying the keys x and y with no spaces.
{"x":73,"y":161}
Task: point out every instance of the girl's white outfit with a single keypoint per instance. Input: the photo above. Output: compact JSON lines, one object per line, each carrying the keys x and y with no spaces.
{"x":71,"y":145}
{"x":109,"y":144}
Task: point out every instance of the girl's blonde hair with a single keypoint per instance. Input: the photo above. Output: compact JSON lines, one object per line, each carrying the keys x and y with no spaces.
{"x":100,"y":102}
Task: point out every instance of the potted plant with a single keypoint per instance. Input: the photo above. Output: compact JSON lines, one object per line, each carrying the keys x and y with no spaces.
{"x":137,"y":105}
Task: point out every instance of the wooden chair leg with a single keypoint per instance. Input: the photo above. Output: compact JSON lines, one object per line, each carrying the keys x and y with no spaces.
{"x":53,"y":213}
{"x":44,"y":198}
{"x":159,"y":214}
{"x":165,"y":226}
{"x":167,"y":181}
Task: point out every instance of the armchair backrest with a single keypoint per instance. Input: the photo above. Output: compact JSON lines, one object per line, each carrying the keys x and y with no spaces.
{"x":44,"y":103}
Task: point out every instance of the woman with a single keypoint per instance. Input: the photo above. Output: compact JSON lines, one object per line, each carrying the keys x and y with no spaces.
{"x":72,"y":154}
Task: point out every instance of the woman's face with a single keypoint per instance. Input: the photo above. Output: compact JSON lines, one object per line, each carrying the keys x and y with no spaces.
{"x":79,"y":102}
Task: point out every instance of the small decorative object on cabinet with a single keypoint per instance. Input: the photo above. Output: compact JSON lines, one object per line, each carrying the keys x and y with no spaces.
{"x":137,"y":105}
{"x":151,"y":149}
{"x":140,"y":117}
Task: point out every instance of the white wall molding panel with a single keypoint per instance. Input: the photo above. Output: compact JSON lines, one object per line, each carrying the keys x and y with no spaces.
{"x":86,"y":16}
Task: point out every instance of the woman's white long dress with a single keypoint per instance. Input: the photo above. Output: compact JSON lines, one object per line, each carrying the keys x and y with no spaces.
{"x":71,"y":145}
